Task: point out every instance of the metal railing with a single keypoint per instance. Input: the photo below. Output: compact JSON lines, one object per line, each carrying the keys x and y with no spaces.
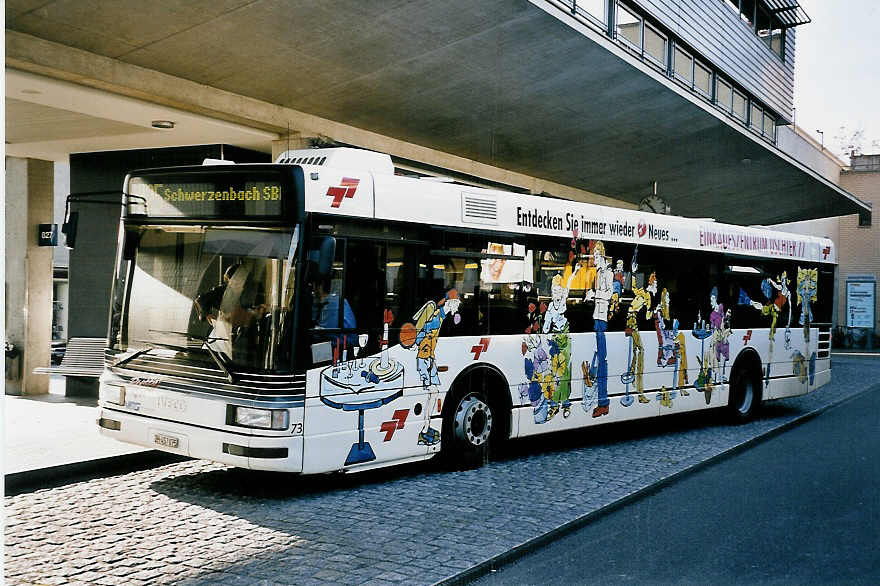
{"x":609,"y":29}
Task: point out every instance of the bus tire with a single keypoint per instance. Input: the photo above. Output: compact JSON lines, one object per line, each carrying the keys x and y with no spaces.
{"x":468,"y":426}
{"x":746,"y":390}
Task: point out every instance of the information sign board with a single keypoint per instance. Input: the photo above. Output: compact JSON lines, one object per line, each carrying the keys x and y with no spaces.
{"x":860,"y":304}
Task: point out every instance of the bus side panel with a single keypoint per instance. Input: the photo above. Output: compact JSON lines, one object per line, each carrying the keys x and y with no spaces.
{"x":363,"y":423}
{"x":363,"y":412}
{"x":394,"y":200}
{"x":331,"y":191}
{"x":796,"y":368}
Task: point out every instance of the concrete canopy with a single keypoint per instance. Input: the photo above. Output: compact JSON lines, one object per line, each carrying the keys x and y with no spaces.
{"x":506,"y":83}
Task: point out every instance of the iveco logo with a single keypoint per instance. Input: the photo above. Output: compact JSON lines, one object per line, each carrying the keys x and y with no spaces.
{"x":145,"y":382}
{"x":171,"y":404}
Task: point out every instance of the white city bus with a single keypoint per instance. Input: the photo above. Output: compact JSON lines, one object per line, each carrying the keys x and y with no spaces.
{"x":323,"y":313}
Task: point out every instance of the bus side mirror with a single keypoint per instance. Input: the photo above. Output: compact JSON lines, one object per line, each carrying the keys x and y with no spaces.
{"x":68,"y":228}
{"x":129,"y":245}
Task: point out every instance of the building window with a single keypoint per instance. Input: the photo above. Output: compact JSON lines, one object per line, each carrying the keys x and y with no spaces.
{"x":756,"y":118}
{"x":762,"y":21}
{"x":769,"y":127}
{"x":703,"y":79}
{"x":595,"y":9}
{"x":655,"y":45}
{"x":758,"y":16}
{"x":723,"y":92}
{"x":777,"y":38}
{"x":739,"y":105}
{"x":747,"y":11}
{"x":629,"y":27}
{"x":770,"y":31}
{"x":683,"y":66}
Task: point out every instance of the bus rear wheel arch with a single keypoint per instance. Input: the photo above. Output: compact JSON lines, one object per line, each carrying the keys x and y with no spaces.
{"x":476,"y":418}
{"x":746,"y":387}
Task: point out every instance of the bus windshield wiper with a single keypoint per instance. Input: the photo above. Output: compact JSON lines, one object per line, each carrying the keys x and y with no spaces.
{"x":128,"y":359}
{"x":206,"y":341}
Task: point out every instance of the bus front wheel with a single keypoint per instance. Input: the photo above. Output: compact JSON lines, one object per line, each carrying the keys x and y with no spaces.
{"x":468,"y":430}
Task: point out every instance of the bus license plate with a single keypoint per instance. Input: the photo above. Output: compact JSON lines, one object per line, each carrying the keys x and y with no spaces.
{"x":166,"y":441}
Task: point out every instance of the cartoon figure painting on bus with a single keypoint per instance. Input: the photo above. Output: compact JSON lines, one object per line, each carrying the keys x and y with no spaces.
{"x":641,"y":299}
{"x":428,"y":320}
{"x":807,"y":280}
{"x":547,"y":351}
{"x":539,"y":380}
{"x":361,"y":385}
{"x":535,"y":317}
{"x":617,"y":285}
{"x":559,"y":346}
{"x":671,"y":351}
{"x":807,"y":284}
{"x":719,"y":348}
{"x":602,"y":294}
{"x":775,"y":301}
{"x":784,"y":292}
{"x":772,"y":307}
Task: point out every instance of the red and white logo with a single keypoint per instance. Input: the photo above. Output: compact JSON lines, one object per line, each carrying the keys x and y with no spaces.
{"x":346,"y":189}
{"x":397,"y":421}
{"x":642,"y":228}
{"x":483,"y":346}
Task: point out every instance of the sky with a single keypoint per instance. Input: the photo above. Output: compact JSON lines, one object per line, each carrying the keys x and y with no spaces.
{"x":837,"y":71}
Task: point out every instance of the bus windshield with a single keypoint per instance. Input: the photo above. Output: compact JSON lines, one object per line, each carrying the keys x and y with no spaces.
{"x":213,"y":295}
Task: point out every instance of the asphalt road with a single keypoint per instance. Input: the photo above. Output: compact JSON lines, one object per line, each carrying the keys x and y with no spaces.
{"x":800,"y":508}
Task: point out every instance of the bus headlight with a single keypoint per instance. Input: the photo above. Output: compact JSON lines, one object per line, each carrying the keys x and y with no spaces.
{"x":113,"y":394}
{"x":259,"y":418}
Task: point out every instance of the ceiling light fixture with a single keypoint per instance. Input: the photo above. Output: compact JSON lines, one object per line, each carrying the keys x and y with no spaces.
{"x":164,"y":124}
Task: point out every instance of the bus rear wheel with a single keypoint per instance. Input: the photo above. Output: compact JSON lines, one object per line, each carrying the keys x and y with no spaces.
{"x":745,"y":396}
{"x":468,"y":429}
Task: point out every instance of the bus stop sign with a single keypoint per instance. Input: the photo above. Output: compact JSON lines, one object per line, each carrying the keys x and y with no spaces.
{"x":47,"y":235}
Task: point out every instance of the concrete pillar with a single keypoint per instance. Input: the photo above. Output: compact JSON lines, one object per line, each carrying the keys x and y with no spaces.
{"x":29,"y":202}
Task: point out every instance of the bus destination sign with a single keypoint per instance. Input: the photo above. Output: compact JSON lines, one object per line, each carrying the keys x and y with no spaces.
{"x":225,"y":195}
{"x":183,"y":193}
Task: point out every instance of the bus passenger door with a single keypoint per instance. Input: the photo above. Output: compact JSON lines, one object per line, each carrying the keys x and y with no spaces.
{"x":365,"y":413}
{"x":380,"y":285}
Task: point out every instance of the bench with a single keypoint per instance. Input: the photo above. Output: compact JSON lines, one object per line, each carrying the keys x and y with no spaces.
{"x":83,"y":357}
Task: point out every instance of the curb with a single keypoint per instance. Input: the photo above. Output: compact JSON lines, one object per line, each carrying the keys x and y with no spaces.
{"x":55,"y":476}
{"x":536,"y":543}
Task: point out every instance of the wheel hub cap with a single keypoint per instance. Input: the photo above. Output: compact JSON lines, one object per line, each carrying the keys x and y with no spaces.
{"x":473,"y":421}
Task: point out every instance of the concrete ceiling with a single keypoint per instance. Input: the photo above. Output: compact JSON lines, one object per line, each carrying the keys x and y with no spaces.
{"x":500,"y":82}
{"x":49,"y":119}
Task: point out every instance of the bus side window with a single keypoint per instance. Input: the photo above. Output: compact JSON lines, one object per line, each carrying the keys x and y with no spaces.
{"x":325,"y":309}
{"x":405,"y":271}
{"x":442,"y":277}
{"x":395,"y":306}
{"x":579,"y":276}
{"x":365,"y":277}
{"x":506,"y":277}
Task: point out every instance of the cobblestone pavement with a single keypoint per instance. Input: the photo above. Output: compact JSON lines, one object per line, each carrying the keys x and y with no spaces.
{"x":201,"y":523}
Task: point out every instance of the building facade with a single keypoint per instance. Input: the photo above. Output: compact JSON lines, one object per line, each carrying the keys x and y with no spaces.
{"x":857,"y":237}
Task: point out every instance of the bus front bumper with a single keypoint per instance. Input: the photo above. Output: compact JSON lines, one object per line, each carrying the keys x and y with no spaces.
{"x":278,"y":453}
